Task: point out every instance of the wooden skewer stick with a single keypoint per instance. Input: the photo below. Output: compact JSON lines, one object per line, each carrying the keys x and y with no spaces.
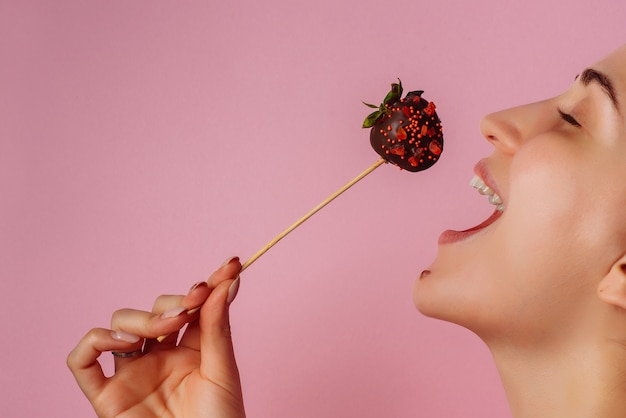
{"x":311,"y":213}
{"x":298,"y":223}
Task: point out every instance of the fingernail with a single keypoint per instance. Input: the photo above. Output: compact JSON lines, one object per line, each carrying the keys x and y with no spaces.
{"x":124,"y":336}
{"x":194,"y":310}
{"x":173,"y":313}
{"x":195,"y":286}
{"x":228,"y":261}
{"x":232,"y":290}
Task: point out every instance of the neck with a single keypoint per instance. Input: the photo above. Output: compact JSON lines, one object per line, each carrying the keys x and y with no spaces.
{"x":583,"y":383}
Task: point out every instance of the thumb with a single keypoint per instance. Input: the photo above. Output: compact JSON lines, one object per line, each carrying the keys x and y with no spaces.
{"x":217,"y":360}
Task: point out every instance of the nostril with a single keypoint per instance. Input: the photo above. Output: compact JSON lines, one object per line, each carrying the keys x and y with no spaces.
{"x":494,"y":140}
{"x":502,"y":134}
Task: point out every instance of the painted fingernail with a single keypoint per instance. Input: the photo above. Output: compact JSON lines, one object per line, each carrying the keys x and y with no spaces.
{"x":173,"y":313}
{"x":124,"y":336}
{"x":232,"y":290}
{"x":228,"y":261}
{"x":197,"y":285}
{"x":194,"y":310}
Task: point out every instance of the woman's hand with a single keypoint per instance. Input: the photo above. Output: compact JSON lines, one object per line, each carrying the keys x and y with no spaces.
{"x":196,"y":377}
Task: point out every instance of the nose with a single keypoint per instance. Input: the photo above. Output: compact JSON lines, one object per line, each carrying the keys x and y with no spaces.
{"x":508,"y":129}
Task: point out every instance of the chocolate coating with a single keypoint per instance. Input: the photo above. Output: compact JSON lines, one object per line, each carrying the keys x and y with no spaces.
{"x":409,"y":134}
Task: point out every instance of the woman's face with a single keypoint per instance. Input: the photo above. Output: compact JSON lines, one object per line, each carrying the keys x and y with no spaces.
{"x":559,"y":167}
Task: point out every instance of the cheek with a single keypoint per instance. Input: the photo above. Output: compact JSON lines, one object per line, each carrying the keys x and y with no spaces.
{"x":557,"y":229}
{"x":552,"y":194}
{"x":546,"y":181}
{"x":546,"y":215}
{"x":543,"y":256}
{"x":562,"y":190}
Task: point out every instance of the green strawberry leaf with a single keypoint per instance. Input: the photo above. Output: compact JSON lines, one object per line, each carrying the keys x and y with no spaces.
{"x":371,"y":105}
{"x":372,"y":118}
{"x":394,"y":94}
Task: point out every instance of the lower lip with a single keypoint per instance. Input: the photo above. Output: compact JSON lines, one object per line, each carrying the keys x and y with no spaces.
{"x":449,"y":236}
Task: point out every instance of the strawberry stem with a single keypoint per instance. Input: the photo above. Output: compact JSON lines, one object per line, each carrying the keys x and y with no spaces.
{"x":393,"y":96}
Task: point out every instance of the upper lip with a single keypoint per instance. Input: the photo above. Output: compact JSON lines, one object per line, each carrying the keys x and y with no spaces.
{"x":482,"y":171}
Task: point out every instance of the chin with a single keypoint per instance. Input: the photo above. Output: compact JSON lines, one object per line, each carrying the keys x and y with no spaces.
{"x":441,"y":297}
{"x":426,"y":298}
{"x":433,"y":289}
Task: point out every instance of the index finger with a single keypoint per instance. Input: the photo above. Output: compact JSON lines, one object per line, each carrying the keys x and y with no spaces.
{"x":227,"y":271}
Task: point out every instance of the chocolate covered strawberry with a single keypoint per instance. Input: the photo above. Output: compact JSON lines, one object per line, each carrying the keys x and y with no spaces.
{"x":406,"y":132}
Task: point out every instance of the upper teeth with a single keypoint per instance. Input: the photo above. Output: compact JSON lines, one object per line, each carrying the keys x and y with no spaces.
{"x":483,"y":189}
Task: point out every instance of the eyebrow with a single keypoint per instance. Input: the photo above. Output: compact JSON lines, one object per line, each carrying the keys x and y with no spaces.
{"x":590,"y":75}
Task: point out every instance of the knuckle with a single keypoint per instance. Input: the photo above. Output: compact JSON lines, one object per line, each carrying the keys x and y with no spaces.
{"x":115,"y":317}
{"x":90,"y":339}
{"x":70,"y":361}
{"x":164,"y":302}
{"x":92,"y":336}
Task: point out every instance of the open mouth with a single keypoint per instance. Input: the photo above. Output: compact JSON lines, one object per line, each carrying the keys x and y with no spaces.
{"x":483,"y":189}
{"x":493,"y":198}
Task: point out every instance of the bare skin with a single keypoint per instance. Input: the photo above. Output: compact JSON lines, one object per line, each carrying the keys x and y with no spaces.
{"x":543,"y":282}
{"x":196,"y":378}
{"x":544,"y":285}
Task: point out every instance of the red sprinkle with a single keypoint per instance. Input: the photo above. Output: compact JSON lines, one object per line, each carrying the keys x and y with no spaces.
{"x":398,"y":150}
{"x":430,"y":109}
{"x":435,"y":147}
{"x":401,"y":133}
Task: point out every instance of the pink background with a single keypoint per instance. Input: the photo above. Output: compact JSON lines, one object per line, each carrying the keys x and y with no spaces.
{"x":143,"y":142}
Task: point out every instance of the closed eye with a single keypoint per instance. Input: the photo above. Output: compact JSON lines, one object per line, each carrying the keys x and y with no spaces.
{"x":569,"y":119}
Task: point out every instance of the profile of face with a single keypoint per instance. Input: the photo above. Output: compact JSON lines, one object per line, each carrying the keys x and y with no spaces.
{"x":559,"y":168}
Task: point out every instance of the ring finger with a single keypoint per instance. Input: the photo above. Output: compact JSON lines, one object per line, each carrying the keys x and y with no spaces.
{"x":147,"y":325}
{"x":124,"y":356}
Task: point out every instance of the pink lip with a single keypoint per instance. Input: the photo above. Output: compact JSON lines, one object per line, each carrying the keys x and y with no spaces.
{"x":450,"y":236}
{"x":481,"y":170}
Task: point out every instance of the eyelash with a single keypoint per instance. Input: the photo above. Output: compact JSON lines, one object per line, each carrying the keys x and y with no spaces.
{"x":569,"y":119}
